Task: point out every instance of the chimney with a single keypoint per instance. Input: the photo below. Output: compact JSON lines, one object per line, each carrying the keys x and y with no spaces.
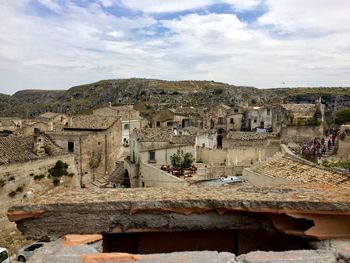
{"x":39,"y":142}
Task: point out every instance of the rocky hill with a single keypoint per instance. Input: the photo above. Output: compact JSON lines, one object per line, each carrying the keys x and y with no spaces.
{"x":150,"y":94}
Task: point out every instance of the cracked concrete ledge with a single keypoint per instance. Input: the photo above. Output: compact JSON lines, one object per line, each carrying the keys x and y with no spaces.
{"x":96,"y":211}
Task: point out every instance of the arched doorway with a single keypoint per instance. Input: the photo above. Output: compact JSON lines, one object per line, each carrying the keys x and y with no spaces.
{"x":126,"y":181}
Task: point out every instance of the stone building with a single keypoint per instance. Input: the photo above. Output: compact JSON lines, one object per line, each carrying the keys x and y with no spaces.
{"x":10,"y":124}
{"x":55,"y":121}
{"x":299,"y":122}
{"x":130,"y":119}
{"x":235,"y":119}
{"x":218,"y":118}
{"x":258,"y":117}
{"x":178,"y":118}
{"x":344,"y":142}
{"x":30,"y":125}
{"x":95,"y":141}
{"x":241,"y":149}
{"x":154,"y":146}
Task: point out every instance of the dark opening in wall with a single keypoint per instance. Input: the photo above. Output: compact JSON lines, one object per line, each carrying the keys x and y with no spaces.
{"x":234,"y":241}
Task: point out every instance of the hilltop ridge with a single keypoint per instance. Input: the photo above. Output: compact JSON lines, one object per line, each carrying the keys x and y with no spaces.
{"x":148,"y":94}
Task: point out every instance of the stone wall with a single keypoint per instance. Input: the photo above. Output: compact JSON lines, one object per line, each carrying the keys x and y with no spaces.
{"x":162,"y":156}
{"x":152,"y":176}
{"x":301,"y":133}
{"x":344,"y":148}
{"x":239,"y":156}
{"x":23,"y":174}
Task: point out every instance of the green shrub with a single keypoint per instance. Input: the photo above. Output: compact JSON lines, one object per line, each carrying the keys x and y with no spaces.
{"x":59,"y":169}
{"x":39,"y":177}
{"x":337,"y":164}
{"x":56,"y":182}
{"x":2,"y":183}
{"x":11,"y":178}
{"x":12,"y":194}
{"x":342,"y":116}
{"x":19,"y":189}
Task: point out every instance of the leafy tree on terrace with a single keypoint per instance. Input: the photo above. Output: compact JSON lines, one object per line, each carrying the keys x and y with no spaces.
{"x":342,"y":116}
{"x":181,"y":160}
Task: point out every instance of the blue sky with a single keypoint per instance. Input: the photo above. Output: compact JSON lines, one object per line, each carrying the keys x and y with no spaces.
{"x":56,"y":44}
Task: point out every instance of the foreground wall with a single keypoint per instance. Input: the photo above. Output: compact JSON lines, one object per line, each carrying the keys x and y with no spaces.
{"x":23,"y":174}
{"x":152,"y":176}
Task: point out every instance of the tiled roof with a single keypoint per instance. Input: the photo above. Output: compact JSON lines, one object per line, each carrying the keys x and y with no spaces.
{"x":163,"y":135}
{"x":198,"y":131}
{"x":17,"y":149}
{"x":296,"y":170}
{"x":246,"y":136}
{"x":183,"y":139}
{"x":154,"y":134}
{"x":91,"y":122}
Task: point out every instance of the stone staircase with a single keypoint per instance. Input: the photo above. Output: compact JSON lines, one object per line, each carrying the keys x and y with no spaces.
{"x":101,"y":182}
{"x":117,"y":177}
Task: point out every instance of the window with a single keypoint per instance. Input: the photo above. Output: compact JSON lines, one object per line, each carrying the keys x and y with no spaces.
{"x":203,"y":145}
{"x":152,"y":156}
{"x":232,"y":121}
{"x":3,"y":256}
{"x":255,"y":120}
{"x":158,"y":123}
{"x":236,"y":110}
{"x":33,"y":247}
{"x":221,"y":120}
{"x":126,"y":126}
{"x":71,"y":147}
{"x":268,"y":111}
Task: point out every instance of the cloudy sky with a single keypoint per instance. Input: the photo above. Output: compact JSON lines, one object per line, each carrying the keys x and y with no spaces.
{"x":55,"y":44}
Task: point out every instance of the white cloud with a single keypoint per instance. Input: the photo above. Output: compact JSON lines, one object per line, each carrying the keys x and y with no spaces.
{"x":51,"y":4}
{"x":81,"y":45}
{"x":161,"y":6}
{"x":320,"y":16}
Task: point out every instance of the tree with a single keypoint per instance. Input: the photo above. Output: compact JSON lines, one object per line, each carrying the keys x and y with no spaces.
{"x":181,"y":160}
{"x":342,"y":116}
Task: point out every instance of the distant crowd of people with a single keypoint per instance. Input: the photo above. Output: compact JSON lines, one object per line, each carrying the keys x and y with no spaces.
{"x":318,"y":147}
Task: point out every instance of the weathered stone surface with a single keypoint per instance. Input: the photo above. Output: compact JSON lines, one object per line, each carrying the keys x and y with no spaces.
{"x":295,"y":256}
{"x":102,"y":210}
{"x":341,"y":248}
{"x":57,"y":252}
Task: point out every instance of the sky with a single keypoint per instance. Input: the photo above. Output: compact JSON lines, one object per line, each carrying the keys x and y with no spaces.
{"x":56,"y":44}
